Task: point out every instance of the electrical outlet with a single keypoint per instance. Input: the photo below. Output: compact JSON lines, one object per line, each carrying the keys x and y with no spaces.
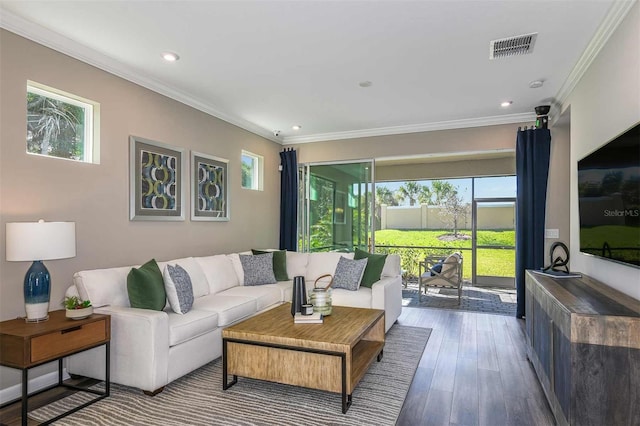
{"x":552,"y":233}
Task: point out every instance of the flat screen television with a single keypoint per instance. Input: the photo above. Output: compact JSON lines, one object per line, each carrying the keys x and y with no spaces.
{"x":609,"y":199}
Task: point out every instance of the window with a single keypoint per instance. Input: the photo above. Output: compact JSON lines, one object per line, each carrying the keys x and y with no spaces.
{"x":252,"y":171}
{"x":61,"y":125}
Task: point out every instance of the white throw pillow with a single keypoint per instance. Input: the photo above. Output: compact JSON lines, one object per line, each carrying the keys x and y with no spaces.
{"x":391,"y":266}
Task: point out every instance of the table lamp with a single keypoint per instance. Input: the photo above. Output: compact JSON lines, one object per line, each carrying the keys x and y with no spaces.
{"x":38,"y":241}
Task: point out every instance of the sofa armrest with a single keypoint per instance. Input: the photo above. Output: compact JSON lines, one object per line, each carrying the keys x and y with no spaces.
{"x":387,"y":294}
{"x":139,"y":349}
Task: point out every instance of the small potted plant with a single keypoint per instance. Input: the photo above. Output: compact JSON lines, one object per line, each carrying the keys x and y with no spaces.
{"x":77,"y":308}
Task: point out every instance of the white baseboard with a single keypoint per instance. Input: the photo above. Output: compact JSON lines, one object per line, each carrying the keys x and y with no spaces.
{"x":15,"y":392}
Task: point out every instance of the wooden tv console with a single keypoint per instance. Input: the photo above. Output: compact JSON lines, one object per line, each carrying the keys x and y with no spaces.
{"x":584,"y":343}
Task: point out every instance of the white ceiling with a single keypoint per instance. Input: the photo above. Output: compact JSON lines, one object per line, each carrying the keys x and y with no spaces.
{"x":267,"y":65}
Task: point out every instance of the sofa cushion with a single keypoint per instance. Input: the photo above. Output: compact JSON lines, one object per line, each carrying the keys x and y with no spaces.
{"x":285,"y":288}
{"x":391,"y":266}
{"x":258,"y":269}
{"x":229,"y":308}
{"x":177,"y":285}
{"x":237,"y":266}
{"x":374,"y":267}
{"x":146,"y":287}
{"x":323,"y":263}
{"x":219,"y":271}
{"x":103,"y":286}
{"x":356,"y":299}
{"x":279,"y":263}
{"x":198,"y":278}
{"x":349,"y":273}
{"x":296,"y":264}
{"x":264,"y":295}
{"x":193,"y":324}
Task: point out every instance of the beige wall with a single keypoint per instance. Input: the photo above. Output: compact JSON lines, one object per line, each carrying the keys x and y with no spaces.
{"x":605,"y":103}
{"x":558,"y":186}
{"x":450,"y":169}
{"x":489,"y":138}
{"x":430,"y":217}
{"x":96,"y":196}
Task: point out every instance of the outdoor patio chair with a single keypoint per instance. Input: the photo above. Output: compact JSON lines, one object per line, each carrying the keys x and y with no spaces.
{"x":441,"y":273}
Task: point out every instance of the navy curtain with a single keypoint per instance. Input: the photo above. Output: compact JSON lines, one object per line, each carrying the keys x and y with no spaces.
{"x":533,"y":147}
{"x":288,"y":200}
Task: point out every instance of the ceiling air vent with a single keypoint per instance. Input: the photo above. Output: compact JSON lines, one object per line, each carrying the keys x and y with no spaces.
{"x":512,"y":46}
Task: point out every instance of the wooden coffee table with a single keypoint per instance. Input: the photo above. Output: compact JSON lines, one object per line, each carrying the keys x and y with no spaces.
{"x":332,"y":356}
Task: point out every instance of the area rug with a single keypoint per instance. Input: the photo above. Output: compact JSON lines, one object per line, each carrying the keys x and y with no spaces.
{"x":490,"y":300}
{"x":198,"y":398}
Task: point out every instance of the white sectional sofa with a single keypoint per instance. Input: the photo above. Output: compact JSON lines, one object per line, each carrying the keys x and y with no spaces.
{"x":150,"y":349}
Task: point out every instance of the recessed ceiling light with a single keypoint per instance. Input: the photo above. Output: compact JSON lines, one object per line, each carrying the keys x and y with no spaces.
{"x":506,"y":104}
{"x":170,"y":56}
{"x":296,"y":127}
{"x":365,"y":84}
{"x":536,"y":84}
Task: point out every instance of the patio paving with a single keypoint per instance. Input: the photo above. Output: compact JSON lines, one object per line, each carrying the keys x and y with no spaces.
{"x":491,"y":300}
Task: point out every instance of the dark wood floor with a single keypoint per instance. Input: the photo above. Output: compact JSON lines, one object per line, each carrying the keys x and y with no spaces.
{"x":474,"y":371}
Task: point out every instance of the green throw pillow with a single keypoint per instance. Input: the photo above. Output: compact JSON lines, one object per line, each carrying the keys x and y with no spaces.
{"x":146,"y":287}
{"x":374,"y":267}
{"x":279,"y":263}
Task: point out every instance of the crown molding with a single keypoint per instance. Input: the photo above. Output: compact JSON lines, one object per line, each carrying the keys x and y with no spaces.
{"x":616,"y":14}
{"x":60,"y":43}
{"x":413,"y":128}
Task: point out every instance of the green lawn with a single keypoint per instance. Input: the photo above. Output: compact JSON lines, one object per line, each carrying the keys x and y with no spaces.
{"x":492,"y":262}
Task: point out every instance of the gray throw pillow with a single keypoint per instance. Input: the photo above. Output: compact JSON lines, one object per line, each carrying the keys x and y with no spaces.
{"x":177,"y":284}
{"x":349,"y":273}
{"x":258,"y":269}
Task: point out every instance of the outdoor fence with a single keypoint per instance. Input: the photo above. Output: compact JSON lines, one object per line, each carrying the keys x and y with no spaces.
{"x":430,"y":217}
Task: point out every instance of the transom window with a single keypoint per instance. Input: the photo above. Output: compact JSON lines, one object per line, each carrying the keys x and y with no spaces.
{"x":252,"y":165}
{"x":61,"y":125}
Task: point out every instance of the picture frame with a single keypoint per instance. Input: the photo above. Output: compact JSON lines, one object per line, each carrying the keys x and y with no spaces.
{"x":156,"y":183}
{"x":209,"y":188}
{"x":340,"y":208}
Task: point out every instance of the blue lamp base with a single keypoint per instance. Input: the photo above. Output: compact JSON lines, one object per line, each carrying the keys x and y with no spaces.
{"x":37,"y":290}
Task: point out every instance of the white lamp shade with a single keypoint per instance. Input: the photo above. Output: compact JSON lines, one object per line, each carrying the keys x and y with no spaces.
{"x":29,"y":241}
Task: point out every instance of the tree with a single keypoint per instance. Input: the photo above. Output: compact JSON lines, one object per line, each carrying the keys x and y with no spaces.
{"x":453,"y":211}
{"x":247,"y":175}
{"x":385,"y":196}
{"x":424,"y":197}
{"x":52,"y":127}
{"x":440,"y":191}
{"x":412,"y":191}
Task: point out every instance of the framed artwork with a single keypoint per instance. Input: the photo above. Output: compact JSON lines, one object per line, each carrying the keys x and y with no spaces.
{"x":156,"y":184}
{"x":209,"y":187}
{"x":340,"y":208}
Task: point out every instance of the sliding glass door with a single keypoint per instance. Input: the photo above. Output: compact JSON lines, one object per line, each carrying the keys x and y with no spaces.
{"x":335,"y":206}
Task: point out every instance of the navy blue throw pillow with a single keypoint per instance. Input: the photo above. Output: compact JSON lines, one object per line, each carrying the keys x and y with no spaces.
{"x":437,"y":268}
